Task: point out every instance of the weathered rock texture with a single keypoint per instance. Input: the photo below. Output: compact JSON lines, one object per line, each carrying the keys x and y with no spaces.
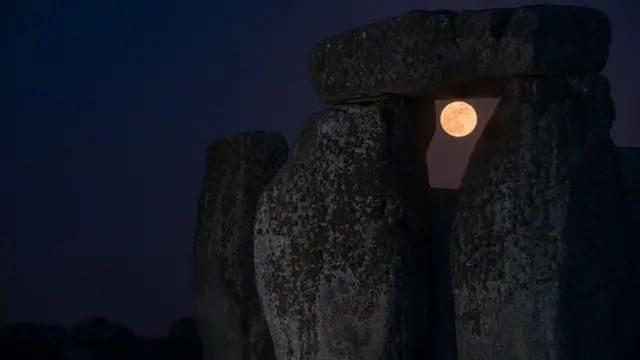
{"x":442,"y":335}
{"x":630,"y":162}
{"x":340,"y":233}
{"x":538,"y":239}
{"x":227,"y":309}
{"x":468,"y":53}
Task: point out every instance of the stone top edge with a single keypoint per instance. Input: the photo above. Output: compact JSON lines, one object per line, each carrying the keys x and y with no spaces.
{"x":423,"y":51}
{"x":420,"y":13}
{"x":258,"y":134}
{"x":257,"y":140}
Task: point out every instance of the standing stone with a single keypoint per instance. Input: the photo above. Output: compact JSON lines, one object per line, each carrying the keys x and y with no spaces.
{"x":227,"y":310}
{"x":340,"y":233}
{"x":442,"y":334}
{"x":630,"y":162}
{"x":538,"y":241}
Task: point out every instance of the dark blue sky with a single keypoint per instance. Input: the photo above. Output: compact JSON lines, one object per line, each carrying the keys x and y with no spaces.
{"x":106,"y":112}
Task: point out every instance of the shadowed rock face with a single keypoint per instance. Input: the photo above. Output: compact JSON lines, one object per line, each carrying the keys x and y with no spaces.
{"x":457,"y":54}
{"x":538,"y":239}
{"x":340,"y":236}
{"x":630,"y":162}
{"x":440,"y":306}
{"x":227,"y":310}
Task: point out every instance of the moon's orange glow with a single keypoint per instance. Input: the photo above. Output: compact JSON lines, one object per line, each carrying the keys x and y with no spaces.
{"x":458,"y":119}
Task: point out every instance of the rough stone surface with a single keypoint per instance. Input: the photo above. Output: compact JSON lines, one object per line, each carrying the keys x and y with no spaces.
{"x":539,"y":244}
{"x":339,"y":235}
{"x":441,"y":314}
{"x":630,"y":162}
{"x":633,"y":277}
{"x":227,"y":309}
{"x":456,"y":54}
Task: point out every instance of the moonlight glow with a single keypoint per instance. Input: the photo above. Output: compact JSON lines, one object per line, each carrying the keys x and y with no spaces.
{"x":458,"y":119}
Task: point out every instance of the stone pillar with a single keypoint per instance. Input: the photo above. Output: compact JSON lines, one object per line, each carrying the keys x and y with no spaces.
{"x":630,"y":163}
{"x":538,"y":241}
{"x":340,"y":233}
{"x":227,"y":310}
{"x":441,"y":335}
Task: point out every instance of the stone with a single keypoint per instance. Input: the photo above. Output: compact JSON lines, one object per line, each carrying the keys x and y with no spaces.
{"x":459,"y":54}
{"x":630,"y":162}
{"x":227,"y":310}
{"x":341,"y":232}
{"x":441,"y":314}
{"x":539,"y":242}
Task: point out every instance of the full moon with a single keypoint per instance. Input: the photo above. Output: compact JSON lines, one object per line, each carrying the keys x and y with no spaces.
{"x":458,"y":119}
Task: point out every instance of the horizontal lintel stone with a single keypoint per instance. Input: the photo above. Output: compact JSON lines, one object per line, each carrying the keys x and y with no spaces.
{"x":451,"y":54}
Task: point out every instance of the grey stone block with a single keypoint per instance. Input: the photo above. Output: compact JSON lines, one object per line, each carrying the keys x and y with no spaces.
{"x":539,"y":243}
{"x":459,"y":54}
{"x":630,"y":163}
{"x":227,"y":309}
{"x":339,"y":238}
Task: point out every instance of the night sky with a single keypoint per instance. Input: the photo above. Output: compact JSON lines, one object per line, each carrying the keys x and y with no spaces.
{"x":106,"y":111}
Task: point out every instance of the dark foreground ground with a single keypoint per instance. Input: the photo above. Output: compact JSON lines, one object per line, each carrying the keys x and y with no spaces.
{"x":97,"y":339}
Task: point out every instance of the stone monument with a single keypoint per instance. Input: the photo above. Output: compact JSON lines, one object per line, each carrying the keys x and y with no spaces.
{"x":227,"y":310}
{"x":346,"y":266}
{"x":340,"y":232}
